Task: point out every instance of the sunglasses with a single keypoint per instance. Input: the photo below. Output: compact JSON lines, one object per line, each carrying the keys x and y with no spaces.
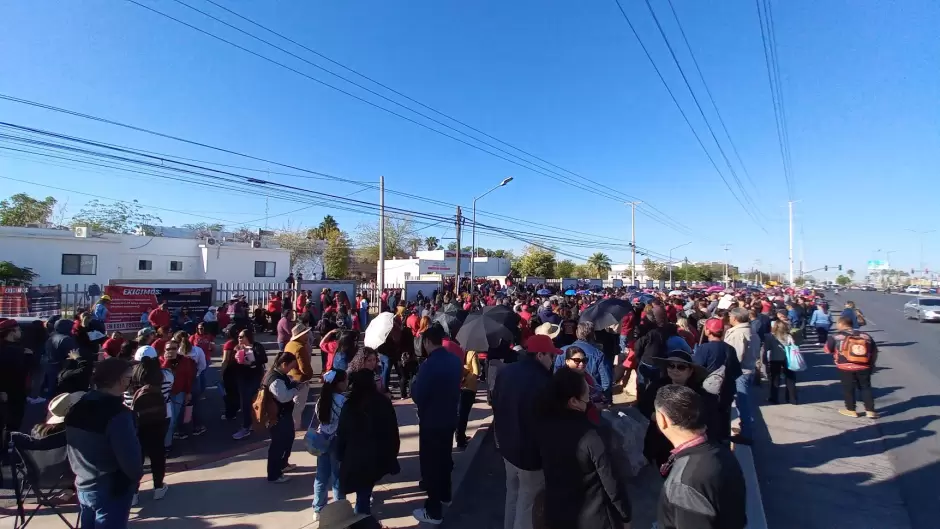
{"x":677,"y":367}
{"x":577,"y":360}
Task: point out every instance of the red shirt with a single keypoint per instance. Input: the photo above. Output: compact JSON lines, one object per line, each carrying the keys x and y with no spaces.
{"x":301,"y":303}
{"x":525,"y":315}
{"x":224,"y":320}
{"x":159,"y":318}
{"x":184,"y":374}
{"x":160,"y":345}
{"x":413,"y":322}
{"x":274,"y":304}
{"x":112,"y":346}
{"x":204,"y":341}
{"x":454,"y":349}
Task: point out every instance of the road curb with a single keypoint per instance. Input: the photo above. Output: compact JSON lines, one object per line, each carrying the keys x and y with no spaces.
{"x":469,"y":454}
{"x":756,"y":519}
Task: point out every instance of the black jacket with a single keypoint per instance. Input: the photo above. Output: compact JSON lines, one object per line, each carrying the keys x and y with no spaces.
{"x":367,"y":442}
{"x":656,"y":447}
{"x":518,"y":392}
{"x":653,"y":344}
{"x":704,"y":490}
{"x":60,"y":342}
{"x":582,"y":488}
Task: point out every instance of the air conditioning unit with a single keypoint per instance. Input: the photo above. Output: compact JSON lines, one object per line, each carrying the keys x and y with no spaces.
{"x":81,"y":231}
{"x":256,"y":244}
{"x":211,"y":241}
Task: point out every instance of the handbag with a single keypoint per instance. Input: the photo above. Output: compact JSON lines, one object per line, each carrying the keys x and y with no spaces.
{"x":795,"y":360}
{"x":316,"y":442}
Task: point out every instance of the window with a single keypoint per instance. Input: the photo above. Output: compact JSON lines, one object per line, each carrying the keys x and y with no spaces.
{"x":176,"y":266}
{"x":74,"y":264}
{"x":144,"y":265}
{"x":265,"y":268}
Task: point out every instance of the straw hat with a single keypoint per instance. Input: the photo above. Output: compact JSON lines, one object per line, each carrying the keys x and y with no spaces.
{"x":299,"y":331}
{"x":339,"y":515}
{"x":60,"y":405}
{"x":548,"y":329}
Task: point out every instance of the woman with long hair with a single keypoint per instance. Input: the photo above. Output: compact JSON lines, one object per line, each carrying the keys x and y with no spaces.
{"x":367,"y":440}
{"x":582,"y":490}
{"x":328,"y":409}
{"x":775,"y":357}
{"x":146,"y":399}
{"x":346,"y":342}
{"x":199,"y":357}
{"x":249,"y":361}
{"x":282,"y":388}
{"x":423,"y":325}
{"x":686,"y":331}
{"x":183,"y":369}
{"x":229,"y":378}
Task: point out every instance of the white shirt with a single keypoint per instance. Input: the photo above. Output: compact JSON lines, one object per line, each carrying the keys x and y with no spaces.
{"x":199,"y":356}
{"x":145,"y":350}
{"x":281,"y":392}
{"x":330,"y":428}
{"x":210,"y":316}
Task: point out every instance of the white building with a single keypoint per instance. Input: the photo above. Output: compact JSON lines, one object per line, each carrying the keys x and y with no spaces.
{"x":441,"y":262}
{"x":622,"y":271}
{"x":79,"y":256}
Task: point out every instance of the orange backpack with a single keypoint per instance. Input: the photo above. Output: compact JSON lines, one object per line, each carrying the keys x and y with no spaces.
{"x":856,"y":349}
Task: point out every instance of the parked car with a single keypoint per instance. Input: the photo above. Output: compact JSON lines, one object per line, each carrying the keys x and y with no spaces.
{"x":868,"y":288}
{"x":923,"y":309}
{"x":914,"y":289}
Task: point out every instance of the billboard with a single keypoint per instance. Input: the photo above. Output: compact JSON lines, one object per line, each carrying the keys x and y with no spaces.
{"x":876,"y":264}
{"x":30,"y":302}
{"x":427,"y":289}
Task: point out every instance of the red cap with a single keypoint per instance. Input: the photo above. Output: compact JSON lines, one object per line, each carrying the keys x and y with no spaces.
{"x":7,"y":324}
{"x":714,"y":326}
{"x":540,"y":343}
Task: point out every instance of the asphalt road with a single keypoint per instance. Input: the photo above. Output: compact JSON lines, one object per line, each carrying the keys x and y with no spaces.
{"x":820,"y":469}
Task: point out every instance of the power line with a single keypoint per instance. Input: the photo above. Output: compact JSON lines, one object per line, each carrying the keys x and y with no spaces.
{"x":659,"y":216}
{"x":682,"y":112}
{"x":698,"y":105}
{"x":773,"y":81}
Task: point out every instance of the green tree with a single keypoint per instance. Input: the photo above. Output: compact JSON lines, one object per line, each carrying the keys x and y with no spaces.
{"x":600,"y":263}
{"x":117,"y":217}
{"x":564,"y":268}
{"x":398,"y":231}
{"x":432,"y":243}
{"x":22,"y":209}
{"x":799,"y":281}
{"x":537,"y":262}
{"x":327,"y":226}
{"x":413,"y":244}
{"x":655,"y":270}
{"x":582,"y":271}
{"x":304,"y":251}
{"x":16,"y":276}
{"x":336,"y":255}
{"x":843,"y":280}
{"x":850,"y":273}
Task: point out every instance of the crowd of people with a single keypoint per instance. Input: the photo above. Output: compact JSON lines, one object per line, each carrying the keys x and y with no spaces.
{"x":693,"y":356}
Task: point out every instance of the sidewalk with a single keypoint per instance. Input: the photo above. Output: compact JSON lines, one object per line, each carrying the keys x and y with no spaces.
{"x":233,"y":492}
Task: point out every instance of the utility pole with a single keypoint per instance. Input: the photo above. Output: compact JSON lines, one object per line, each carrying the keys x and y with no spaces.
{"x":633,"y":205}
{"x":790,"y":206}
{"x":381,"y":235}
{"x":457,"y":283}
{"x":727,"y":277}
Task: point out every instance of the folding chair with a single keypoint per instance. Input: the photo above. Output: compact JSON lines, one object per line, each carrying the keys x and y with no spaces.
{"x":40,"y":467}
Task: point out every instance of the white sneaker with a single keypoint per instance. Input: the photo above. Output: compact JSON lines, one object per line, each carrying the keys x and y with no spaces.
{"x":241,"y":434}
{"x":134,"y":500}
{"x":158,"y":494}
{"x":316,"y":517}
{"x":422,"y":516}
{"x":282,"y":479}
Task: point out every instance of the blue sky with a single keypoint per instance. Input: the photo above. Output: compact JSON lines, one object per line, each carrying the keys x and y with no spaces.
{"x":564,"y":80}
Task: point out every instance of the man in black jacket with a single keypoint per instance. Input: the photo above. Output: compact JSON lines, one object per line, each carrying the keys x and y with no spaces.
{"x":704,"y":486}
{"x":519,"y":388}
{"x":58,"y":347}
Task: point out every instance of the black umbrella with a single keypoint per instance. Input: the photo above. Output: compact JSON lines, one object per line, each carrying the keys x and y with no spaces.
{"x":450,"y":320}
{"x":606,"y":312}
{"x":480,"y":332}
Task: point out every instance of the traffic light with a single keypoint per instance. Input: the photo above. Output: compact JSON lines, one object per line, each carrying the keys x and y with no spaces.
{"x":840,"y":268}
{"x":826,"y":268}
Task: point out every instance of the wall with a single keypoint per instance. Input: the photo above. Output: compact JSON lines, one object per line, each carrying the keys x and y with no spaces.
{"x":118,"y":257}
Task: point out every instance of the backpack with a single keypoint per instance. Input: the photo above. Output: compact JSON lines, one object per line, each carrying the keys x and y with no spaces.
{"x":856,"y":349}
{"x":149,"y":404}
{"x":264,"y":411}
{"x":860,"y":318}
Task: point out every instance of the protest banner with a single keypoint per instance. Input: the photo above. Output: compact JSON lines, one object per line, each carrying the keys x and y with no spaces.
{"x":30,"y":302}
{"x":130,"y":302}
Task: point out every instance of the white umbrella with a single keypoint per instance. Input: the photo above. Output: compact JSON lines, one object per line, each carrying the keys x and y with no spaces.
{"x":378,"y":330}
{"x":677,"y":293}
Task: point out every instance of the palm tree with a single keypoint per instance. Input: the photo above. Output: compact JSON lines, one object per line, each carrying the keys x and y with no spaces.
{"x":599,"y":263}
{"x":851,"y":274}
{"x":431,"y":243}
{"x":414,"y":244}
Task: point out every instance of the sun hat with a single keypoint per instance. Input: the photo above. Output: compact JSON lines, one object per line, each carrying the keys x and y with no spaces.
{"x":548,"y":329}
{"x":60,"y":405}
{"x":105,"y":298}
{"x":679,"y":356}
{"x":541,"y":343}
{"x":339,"y":515}
{"x":299,"y":331}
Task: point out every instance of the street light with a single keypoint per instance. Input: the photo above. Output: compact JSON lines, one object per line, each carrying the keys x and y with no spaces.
{"x":473,"y":230}
{"x":921,"y":233}
{"x":670,"y":261}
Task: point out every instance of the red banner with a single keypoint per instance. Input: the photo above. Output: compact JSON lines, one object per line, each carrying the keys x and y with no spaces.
{"x":30,"y":302}
{"x":129,"y":303}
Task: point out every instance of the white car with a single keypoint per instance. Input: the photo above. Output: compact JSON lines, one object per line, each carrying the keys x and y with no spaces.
{"x":923,"y":309}
{"x":915,"y":290}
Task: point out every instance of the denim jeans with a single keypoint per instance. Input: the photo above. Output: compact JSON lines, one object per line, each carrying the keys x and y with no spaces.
{"x":282,"y":440}
{"x":100,"y":510}
{"x":176,"y":416}
{"x":50,"y":375}
{"x":742,"y":385}
{"x":199,"y":387}
{"x":327,"y":472}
